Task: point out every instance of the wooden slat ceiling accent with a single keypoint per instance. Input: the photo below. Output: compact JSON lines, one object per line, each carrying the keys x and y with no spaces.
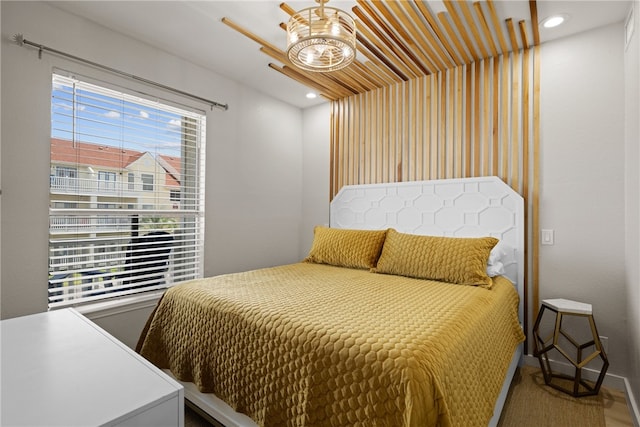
{"x":402,"y":40}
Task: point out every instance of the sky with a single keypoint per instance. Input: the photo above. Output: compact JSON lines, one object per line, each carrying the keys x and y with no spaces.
{"x":107,"y":117}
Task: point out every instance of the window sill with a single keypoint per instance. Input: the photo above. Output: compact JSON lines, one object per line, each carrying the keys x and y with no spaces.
{"x":120,"y":305}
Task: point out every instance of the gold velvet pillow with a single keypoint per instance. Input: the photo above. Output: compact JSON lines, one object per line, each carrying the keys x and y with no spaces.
{"x":448,"y":259}
{"x":346,"y":247}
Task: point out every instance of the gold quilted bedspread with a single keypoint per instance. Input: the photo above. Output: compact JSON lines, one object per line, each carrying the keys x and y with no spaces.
{"x":315,"y":345}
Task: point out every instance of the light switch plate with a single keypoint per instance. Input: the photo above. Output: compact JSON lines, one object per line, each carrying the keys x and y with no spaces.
{"x":546,"y":237}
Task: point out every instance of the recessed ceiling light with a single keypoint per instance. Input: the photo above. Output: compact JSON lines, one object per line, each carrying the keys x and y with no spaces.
{"x":554,"y":21}
{"x":311,"y":95}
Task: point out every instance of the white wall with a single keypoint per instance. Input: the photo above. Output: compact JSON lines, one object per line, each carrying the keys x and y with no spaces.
{"x":254,"y":186}
{"x":253,"y":155}
{"x":632,"y":195}
{"x":583,"y":180}
{"x":315,"y":177}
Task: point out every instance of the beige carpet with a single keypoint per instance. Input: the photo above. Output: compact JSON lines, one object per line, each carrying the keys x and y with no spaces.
{"x":530,"y":403}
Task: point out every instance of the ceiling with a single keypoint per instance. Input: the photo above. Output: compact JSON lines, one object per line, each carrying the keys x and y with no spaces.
{"x":194,"y":30}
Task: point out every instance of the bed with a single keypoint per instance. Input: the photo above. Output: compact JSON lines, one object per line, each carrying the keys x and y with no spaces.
{"x":391,"y":320}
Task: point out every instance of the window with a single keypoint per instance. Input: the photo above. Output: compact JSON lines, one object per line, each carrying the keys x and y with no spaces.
{"x":64,"y":178}
{"x":174,"y":195}
{"x":66,"y":172}
{"x":147,"y":182}
{"x":106,"y":181}
{"x":110,"y":236}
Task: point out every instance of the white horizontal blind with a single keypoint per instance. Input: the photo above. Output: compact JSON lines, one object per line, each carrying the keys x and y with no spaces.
{"x":126,"y":211}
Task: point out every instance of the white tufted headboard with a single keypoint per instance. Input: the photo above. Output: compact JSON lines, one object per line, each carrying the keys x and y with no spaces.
{"x":464,"y":207}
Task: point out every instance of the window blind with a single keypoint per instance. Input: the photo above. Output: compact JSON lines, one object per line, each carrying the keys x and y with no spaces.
{"x":126,"y":211}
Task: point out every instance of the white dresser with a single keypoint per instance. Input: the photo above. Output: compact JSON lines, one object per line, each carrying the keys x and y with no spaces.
{"x":60,"y":369}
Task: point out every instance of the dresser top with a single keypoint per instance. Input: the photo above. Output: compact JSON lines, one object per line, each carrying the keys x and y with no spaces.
{"x":59,"y":368}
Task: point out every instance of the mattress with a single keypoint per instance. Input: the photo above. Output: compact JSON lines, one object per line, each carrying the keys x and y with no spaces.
{"x":316,"y":345}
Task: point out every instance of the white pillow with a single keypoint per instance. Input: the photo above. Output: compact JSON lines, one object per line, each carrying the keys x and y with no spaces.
{"x":497,"y":253}
{"x":494,"y":263}
{"x":495,"y":269}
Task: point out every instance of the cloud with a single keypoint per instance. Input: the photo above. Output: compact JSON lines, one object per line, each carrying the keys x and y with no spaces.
{"x":175,"y":123}
{"x":112,"y":114}
{"x":169,"y":146}
{"x":144,"y":114}
{"x":69,"y":107}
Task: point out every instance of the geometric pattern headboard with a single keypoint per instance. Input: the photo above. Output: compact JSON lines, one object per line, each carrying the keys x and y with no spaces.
{"x":461,"y":207}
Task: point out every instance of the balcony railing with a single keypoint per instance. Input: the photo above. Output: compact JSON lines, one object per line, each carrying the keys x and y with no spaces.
{"x":82,"y":185}
{"x":88,"y":224}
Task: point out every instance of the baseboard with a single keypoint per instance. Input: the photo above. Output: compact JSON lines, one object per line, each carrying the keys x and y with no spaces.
{"x":616,"y":382}
{"x":634,"y":410}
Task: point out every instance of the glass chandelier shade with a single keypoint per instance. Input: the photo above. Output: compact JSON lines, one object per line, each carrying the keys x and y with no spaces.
{"x":321,"y":38}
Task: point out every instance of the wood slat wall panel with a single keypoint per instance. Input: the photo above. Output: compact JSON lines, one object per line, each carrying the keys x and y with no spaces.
{"x":486,"y":118}
{"x":415,"y":45}
{"x":450,"y":142}
{"x":461,"y":51}
{"x":467,"y":121}
{"x":504,"y":105}
{"x":485,"y":29}
{"x":439,"y":39}
{"x":458,"y":117}
{"x":470,"y":23}
{"x":497,"y":26}
{"x":442,"y":121}
{"x":433,"y":134}
{"x":495,"y":125}
{"x":534,"y":196}
{"x":515,"y":122}
{"x":477,"y":141}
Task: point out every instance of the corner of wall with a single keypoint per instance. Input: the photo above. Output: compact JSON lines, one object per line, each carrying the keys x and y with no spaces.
{"x":632,"y":198}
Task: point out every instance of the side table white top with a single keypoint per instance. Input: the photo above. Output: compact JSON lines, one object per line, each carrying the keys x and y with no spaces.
{"x":568,"y":306}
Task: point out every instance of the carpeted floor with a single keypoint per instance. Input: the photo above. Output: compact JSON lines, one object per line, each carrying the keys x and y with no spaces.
{"x":530,"y":403}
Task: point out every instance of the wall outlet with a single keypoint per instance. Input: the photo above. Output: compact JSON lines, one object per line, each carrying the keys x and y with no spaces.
{"x":605,"y":344}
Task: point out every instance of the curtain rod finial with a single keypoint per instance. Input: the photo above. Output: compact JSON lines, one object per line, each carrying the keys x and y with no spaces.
{"x":224,"y":107}
{"x":19,"y":39}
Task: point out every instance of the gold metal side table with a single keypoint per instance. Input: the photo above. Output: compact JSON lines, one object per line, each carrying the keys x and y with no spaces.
{"x":559,"y":340}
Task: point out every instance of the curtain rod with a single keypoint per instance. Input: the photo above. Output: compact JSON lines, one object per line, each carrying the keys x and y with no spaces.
{"x":21,"y":41}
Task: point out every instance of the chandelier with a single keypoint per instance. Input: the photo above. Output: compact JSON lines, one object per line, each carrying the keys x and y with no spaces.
{"x":321,"y":38}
